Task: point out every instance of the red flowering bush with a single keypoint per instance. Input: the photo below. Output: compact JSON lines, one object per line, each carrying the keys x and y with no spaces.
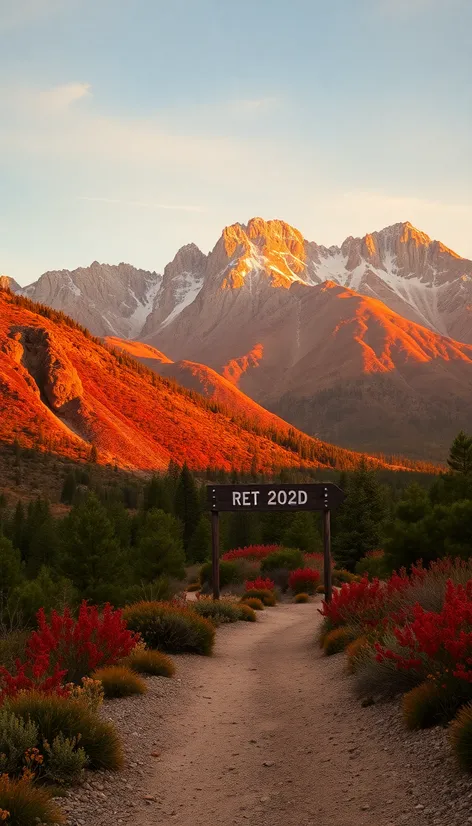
{"x":438,"y":643}
{"x":304,"y":581}
{"x":365,"y":603}
{"x":31,"y":675}
{"x":259,"y":584}
{"x":256,"y":552}
{"x":79,"y":646}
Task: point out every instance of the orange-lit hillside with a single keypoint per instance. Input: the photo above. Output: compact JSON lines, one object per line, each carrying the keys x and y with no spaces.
{"x":65,"y":391}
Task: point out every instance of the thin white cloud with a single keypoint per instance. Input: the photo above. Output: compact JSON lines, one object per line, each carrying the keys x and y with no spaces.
{"x":251,"y":105}
{"x":60,"y":97}
{"x":16,"y":13}
{"x":143,"y":204}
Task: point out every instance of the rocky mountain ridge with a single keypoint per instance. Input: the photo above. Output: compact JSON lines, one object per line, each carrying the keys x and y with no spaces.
{"x":417,"y":277}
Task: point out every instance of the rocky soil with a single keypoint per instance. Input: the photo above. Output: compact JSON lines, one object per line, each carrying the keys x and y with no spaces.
{"x":268,"y":731}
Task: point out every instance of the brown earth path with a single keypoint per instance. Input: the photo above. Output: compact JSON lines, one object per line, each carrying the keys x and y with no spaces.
{"x":265,"y":732}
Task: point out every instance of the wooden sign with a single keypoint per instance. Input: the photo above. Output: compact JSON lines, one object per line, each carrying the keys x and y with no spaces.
{"x":246,"y":498}
{"x":311,"y":497}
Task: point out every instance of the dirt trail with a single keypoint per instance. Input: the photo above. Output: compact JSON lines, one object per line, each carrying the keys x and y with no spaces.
{"x":260,"y":733}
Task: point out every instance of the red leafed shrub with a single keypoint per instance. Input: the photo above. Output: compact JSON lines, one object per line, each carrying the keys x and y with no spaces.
{"x":315,"y":561}
{"x":439,"y":643}
{"x":304,"y":581}
{"x":32,"y":676}
{"x":79,"y":646}
{"x":365,"y":603}
{"x":257,"y":552}
{"x":259,"y":584}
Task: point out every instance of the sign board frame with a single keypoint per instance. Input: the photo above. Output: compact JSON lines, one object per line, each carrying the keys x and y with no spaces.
{"x":323,"y":497}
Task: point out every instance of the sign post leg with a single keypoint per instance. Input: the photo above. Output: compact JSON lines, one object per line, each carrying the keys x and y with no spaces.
{"x":328,"y":585}
{"x":215,"y":548}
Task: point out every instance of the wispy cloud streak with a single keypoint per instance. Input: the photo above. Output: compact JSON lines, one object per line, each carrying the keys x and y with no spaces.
{"x":143,"y":204}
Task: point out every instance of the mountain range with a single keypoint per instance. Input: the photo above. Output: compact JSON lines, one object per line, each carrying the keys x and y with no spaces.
{"x":63,"y":391}
{"x":367,"y":344}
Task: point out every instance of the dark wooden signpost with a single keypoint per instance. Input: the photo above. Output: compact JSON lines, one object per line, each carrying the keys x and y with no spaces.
{"x":312,"y":497}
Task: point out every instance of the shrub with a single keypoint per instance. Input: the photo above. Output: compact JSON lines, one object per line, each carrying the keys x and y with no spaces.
{"x":251,"y":552}
{"x":373,"y":564}
{"x":365,"y":603}
{"x":460,"y":734}
{"x":229,"y":574}
{"x":89,"y":692}
{"x":356,"y":652}
{"x":170,"y":628}
{"x":26,"y":804}
{"x":267,"y":597}
{"x":438,"y":643}
{"x":61,"y":715}
{"x":338,"y":640}
{"x":302,"y":598}
{"x":315,"y":560}
{"x":303,"y":580}
{"x":218,"y":611}
{"x":340,"y":576}
{"x":259,"y":584}
{"x":64,"y":760}
{"x":320,"y":589}
{"x":380,"y":676}
{"x":17,"y":737}
{"x":194,"y":586}
{"x":246,"y":613}
{"x":144,"y":661}
{"x":289,"y":558}
{"x":119,"y":681}
{"x":78,"y":647}
{"x":425,"y":705}
{"x":254,"y":603}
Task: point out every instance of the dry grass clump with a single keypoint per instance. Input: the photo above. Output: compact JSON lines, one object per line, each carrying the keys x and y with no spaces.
{"x":246,"y":613}
{"x":266,"y":596}
{"x":299,"y":598}
{"x":22,"y":804}
{"x":194,"y":586}
{"x":119,"y":681}
{"x":425,"y":705}
{"x":254,"y":603}
{"x":356,"y":652}
{"x":460,"y":735}
{"x":154,"y":663}
{"x":338,"y":640}
{"x":171,"y":629}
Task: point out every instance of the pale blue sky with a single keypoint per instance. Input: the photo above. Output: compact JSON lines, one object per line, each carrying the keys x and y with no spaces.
{"x":131,"y":127}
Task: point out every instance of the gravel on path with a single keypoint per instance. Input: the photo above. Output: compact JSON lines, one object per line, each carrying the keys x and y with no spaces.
{"x":268,"y":731}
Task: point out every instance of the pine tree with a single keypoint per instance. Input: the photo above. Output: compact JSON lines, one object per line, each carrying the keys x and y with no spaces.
{"x":303,"y":534}
{"x":159,"y":550}
{"x":10,"y":570}
{"x":200,"y":544}
{"x":68,"y":489}
{"x":187,"y":504}
{"x":460,"y":455}
{"x":92,"y":553}
{"x":359,"y":521}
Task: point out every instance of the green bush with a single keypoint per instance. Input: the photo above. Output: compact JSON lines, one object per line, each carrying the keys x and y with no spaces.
{"x":302,"y":598}
{"x":230,"y":574}
{"x":17,"y":736}
{"x":265,"y":596}
{"x":54,"y":715}
{"x":426,"y":705}
{"x":145,"y":661}
{"x":218,"y":611}
{"x":339,"y":639}
{"x":340,"y":576}
{"x":27,"y":804}
{"x":286,"y":558}
{"x":119,"y":681}
{"x":170,"y":628}
{"x":460,"y":734}
{"x":64,"y":760}
{"x":246,"y":613}
{"x":253,"y":602}
{"x":375,"y":566}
